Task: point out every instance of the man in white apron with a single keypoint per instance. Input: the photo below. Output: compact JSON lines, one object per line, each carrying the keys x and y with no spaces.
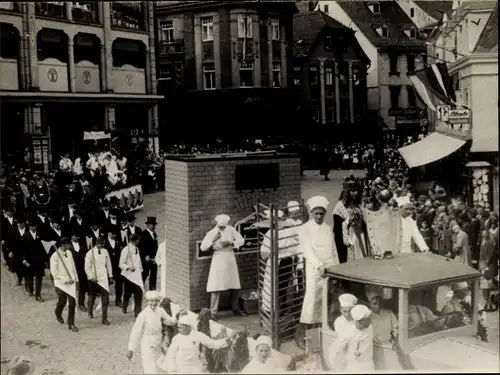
{"x":318,"y":247}
{"x":223,"y":275}
{"x":99,"y":272}
{"x":148,"y":333}
{"x":131,"y":266}
{"x":63,"y":270}
{"x":409,"y":228}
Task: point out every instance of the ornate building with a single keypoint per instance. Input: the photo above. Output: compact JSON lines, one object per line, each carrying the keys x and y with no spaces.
{"x":67,"y":67}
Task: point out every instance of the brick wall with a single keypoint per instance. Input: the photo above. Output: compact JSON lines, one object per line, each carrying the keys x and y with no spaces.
{"x":199,"y":189}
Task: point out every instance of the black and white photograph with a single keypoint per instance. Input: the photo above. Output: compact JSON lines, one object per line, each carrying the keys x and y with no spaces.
{"x":255,"y":186}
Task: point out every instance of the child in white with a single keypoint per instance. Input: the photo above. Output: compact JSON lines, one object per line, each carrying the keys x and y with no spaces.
{"x":360,"y":350}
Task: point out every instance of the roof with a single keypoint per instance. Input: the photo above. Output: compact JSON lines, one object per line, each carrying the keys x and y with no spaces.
{"x":392,"y":16}
{"x":435,"y":9}
{"x":488,"y":39}
{"x":478,"y":4}
{"x":307,"y":26}
{"x":404,"y":270}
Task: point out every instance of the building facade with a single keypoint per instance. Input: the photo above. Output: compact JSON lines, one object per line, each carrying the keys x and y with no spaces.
{"x":68,"y":67}
{"x":467,"y":40}
{"x":329,"y":71}
{"x":229,"y":60}
{"x":396,"y":49}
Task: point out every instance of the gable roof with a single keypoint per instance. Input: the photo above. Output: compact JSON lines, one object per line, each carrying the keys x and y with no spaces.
{"x":307,"y":27}
{"x":488,"y":40}
{"x":435,"y":9}
{"x":392,"y":16}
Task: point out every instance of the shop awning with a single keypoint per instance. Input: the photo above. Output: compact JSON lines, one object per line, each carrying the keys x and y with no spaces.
{"x":430,"y":149}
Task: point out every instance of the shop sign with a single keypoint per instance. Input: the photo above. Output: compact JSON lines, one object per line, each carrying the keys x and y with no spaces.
{"x":460,"y":116}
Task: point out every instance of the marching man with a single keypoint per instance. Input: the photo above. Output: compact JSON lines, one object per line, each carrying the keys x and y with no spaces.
{"x":100,"y":274}
{"x":318,"y":247}
{"x":63,"y":270}
{"x":223,"y":274}
{"x":131,"y":266}
{"x":148,"y":332}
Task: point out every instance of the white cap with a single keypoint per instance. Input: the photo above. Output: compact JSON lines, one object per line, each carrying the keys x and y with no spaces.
{"x":152,"y":294}
{"x":372,"y":294}
{"x":184,"y":320}
{"x":318,"y":201}
{"x":293,"y":206}
{"x":359,"y":312}
{"x":347,"y":300}
{"x":222,"y":220}
{"x":264,"y":340}
{"x":403,"y":201}
{"x":267,"y":214}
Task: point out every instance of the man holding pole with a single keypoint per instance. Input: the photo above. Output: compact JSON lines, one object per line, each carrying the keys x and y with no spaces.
{"x":100,"y":274}
{"x":63,"y":270}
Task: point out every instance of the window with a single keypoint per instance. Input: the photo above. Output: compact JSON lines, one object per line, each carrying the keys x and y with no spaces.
{"x":330,"y":112}
{"x":276,"y":75}
{"x":393,"y":64}
{"x":316,"y":115}
{"x":297,"y":75}
{"x":209,"y":76}
{"x":245,"y":25}
{"x":246,"y":74}
{"x":410,"y":59}
{"x":412,"y":97}
{"x":326,"y":9}
{"x":328,"y":76}
{"x":413,"y":33}
{"x":167,"y":31}
{"x":395,"y":91}
{"x":207,"y":28}
{"x":313,"y":75}
{"x":375,"y":8}
{"x":385,"y":32}
{"x":412,"y":12}
{"x":328,"y":42}
{"x":275,"y":28}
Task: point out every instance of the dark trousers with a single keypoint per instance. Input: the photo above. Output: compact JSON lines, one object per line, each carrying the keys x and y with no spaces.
{"x":81,"y":298}
{"x":118,"y":287}
{"x":285,"y":273}
{"x":136,"y":291}
{"x":33,"y":281}
{"x":62,"y":298}
{"x":95,"y":290}
{"x":8,"y":261}
{"x":151,"y":270}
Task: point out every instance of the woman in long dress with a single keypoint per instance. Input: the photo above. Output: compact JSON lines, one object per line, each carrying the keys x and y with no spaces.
{"x":349,"y":198}
{"x":354,"y":236}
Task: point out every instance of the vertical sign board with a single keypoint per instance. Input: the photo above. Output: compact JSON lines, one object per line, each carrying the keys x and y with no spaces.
{"x":454,"y":122}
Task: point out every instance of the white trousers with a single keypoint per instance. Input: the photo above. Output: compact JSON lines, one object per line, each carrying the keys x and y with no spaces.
{"x":149,"y":356}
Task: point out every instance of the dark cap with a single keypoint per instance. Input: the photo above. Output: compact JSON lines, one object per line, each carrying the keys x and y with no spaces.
{"x":64,"y":241}
{"x":101,"y":241}
{"x":151,"y":220}
{"x":129,"y":216}
{"x":115,"y":212}
{"x":31,"y":221}
{"x":134,"y":237}
{"x":20,"y":218}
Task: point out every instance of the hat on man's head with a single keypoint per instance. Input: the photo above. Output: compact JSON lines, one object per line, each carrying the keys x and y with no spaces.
{"x":64,"y":241}
{"x":20,"y":218}
{"x":222,"y":220}
{"x":134,"y":237}
{"x":101,"y":240}
{"x":152,"y":294}
{"x":129,"y":216}
{"x":31,"y":221}
{"x":359,"y":312}
{"x":318,"y":202}
{"x":151,"y":220}
{"x":347,"y":300}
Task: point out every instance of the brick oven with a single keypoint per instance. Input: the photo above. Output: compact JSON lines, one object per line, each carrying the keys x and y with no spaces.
{"x":202,"y":186}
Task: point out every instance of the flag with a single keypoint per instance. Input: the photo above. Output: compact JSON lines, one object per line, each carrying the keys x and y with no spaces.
{"x":434,"y":81}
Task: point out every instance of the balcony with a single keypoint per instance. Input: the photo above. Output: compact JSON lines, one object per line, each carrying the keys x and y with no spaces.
{"x":128,"y":15}
{"x":85,"y":12}
{"x":51,"y":9}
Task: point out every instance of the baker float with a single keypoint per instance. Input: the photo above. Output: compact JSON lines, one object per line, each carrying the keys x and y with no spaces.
{"x":223,"y":275}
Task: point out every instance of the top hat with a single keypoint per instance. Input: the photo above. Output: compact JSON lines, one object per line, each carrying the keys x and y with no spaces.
{"x":129,"y":216}
{"x":20,"y":218}
{"x":151,"y":220}
{"x":31,"y":221}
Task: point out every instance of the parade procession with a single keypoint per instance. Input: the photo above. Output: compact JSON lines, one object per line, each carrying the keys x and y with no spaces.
{"x":340,"y":213}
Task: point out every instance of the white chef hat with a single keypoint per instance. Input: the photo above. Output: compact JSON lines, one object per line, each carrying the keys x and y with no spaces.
{"x":184,"y":319}
{"x":372,"y":294}
{"x":318,"y":201}
{"x":359,"y":312}
{"x":267,"y":214}
{"x":403,"y":201}
{"x":347,"y":300}
{"x":152,"y":294}
{"x":263,"y":340}
{"x":293,"y":206}
{"x":222,"y":220}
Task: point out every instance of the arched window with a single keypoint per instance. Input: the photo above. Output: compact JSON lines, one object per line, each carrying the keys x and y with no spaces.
{"x":129,"y":52}
{"x":52,"y":44}
{"x":9,"y":42}
{"x":87,"y":47}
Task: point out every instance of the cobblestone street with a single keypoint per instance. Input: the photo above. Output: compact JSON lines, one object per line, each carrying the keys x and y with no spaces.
{"x":29,"y":328}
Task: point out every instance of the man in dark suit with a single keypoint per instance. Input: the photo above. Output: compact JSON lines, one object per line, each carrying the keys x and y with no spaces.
{"x":131,"y":227}
{"x":42,"y":221}
{"x":7,"y":224}
{"x":114,"y":248}
{"x":73,"y":193}
{"x":78,"y":225}
{"x":113,"y":224}
{"x":68,"y":211}
{"x":16,"y":247}
{"x":148,"y":246}
{"x":94,"y":233}
{"x":104,"y":214}
{"x":56,"y":232}
{"x":122,"y":234}
{"x":79,"y":250}
{"x":34,"y":259}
